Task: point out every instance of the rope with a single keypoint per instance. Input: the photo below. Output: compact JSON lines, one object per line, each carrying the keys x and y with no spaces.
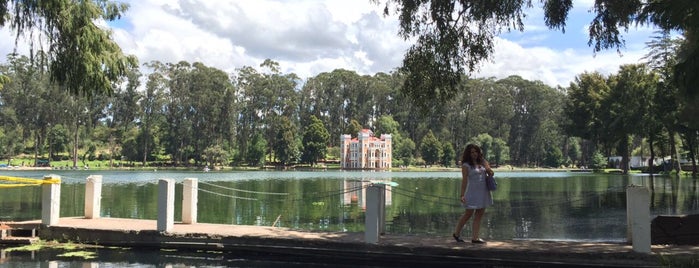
{"x":226,"y":195}
{"x":23,"y":182}
{"x":241,"y":190}
{"x":556,"y":202}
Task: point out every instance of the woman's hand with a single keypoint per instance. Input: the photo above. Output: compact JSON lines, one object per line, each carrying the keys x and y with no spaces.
{"x":463,"y":199}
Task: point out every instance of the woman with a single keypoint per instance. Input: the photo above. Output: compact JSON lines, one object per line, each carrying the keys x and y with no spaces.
{"x":475,"y":196}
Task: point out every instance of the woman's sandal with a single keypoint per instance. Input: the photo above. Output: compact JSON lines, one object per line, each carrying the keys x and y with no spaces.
{"x":457,"y":238}
{"x":478,"y":241}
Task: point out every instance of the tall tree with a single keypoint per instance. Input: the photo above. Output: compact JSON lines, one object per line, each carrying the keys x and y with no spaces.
{"x":82,"y":57}
{"x":665,"y":105}
{"x":452,"y":37}
{"x":632,"y":90}
{"x":285,"y":146}
{"x":430,"y":149}
{"x":315,"y":141}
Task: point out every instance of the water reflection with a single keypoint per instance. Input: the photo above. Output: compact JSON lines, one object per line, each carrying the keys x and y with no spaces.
{"x":545,"y":205}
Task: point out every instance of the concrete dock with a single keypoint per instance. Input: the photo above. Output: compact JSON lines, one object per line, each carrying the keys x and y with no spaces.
{"x":333,"y":247}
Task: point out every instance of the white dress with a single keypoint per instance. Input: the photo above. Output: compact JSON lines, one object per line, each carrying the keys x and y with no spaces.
{"x":477,"y":194}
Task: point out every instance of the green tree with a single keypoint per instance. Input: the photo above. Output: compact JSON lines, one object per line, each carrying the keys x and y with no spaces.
{"x":430,"y":149}
{"x":632,"y":91}
{"x":59,"y":140}
{"x":404,"y":150}
{"x":584,"y":108}
{"x":256,"y":151}
{"x":285,"y":145}
{"x":665,"y":106}
{"x":315,"y":141}
{"x":448,"y":155}
{"x":554,"y":157}
{"x":82,"y":56}
{"x":500,"y":152}
{"x":598,"y":160}
{"x":453,"y":37}
{"x":353,"y":128}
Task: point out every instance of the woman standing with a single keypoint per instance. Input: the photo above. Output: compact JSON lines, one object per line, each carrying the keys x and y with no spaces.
{"x":475,"y":196}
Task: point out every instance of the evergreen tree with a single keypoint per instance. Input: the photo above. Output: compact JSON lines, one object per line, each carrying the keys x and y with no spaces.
{"x":315,"y":141}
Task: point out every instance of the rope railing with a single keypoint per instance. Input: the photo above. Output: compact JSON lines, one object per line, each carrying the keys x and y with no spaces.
{"x":315,"y":195}
{"x":241,"y":190}
{"x":550,"y":202}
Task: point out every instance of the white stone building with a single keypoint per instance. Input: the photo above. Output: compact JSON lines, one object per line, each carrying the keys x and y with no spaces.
{"x":365,"y":151}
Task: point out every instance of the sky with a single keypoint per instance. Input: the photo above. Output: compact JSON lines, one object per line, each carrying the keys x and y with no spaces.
{"x":308,"y":37}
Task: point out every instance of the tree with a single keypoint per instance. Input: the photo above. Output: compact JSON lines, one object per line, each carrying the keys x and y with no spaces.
{"x":453,"y":37}
{"x":81,"y":55}
{"x":256,"y":151}
{"x":448,"y":155}
{"x":285,"y":146}
{"x":315,"y":141}
{"x":404,"y":150}
{"x":583,"y":109}
{"x":353,"y":128}
{"x":431,"y":149}
{"x":632,"y":91}
{"x":500,"y":152}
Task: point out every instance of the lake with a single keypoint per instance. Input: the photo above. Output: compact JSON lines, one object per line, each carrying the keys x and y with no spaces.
{"x":527,"y":205}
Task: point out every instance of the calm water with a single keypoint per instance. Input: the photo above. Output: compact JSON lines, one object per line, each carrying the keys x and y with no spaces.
{"x":535,"y":205}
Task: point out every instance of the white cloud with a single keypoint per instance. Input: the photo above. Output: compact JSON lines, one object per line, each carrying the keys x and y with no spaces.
{"x":308,"y":37}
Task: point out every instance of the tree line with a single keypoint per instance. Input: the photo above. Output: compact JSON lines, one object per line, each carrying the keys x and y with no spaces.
{"x":190,"y":114}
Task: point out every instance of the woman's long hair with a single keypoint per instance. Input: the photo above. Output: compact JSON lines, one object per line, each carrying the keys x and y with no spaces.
{"x":466,"y":156}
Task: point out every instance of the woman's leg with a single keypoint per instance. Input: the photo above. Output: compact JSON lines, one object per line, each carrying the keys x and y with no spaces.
{"x":477,"y":223}
{"x":462,"y":221}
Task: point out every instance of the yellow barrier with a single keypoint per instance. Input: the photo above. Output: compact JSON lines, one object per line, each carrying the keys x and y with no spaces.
{"x":23,"y":182}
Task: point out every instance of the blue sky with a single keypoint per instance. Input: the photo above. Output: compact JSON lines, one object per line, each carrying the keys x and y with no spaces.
{"x":308,"y":37}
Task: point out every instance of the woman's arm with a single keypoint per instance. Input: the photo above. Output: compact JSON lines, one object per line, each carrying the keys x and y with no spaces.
{"x":464,"y":182}
{"x":488,"y":170}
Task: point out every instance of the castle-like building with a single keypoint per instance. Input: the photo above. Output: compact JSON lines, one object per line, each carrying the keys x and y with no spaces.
{"x":365,"y":151}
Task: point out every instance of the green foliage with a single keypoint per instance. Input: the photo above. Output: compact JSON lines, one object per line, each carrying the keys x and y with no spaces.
{"x":403,"y":151}
{"x":315,"y":141}
{"x":285,"y":146}
{"x":82,"y":56}
{"x":448,"y":155}
{"x":255,"y":156}
{"x":430,"y":149}
{"x":215,"y":155}
{"x":500,"y":152}
{"x":447,"y":46}
{"x":599,"y":161}
{"x":353,"y":128}
{"x":554,"y":158}
{"x":58,"y":139}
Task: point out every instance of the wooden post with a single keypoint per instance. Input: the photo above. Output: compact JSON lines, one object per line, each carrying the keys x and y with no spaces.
{"x":189,"y":200}
{"x":166,"y":205}
{"x":93,"y":196}
{"x":50,"y":200}
{"x":638,"y":217}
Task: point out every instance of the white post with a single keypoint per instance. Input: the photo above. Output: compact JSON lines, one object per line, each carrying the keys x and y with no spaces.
{"x":50,"y":200}
{"x":638,"y":217}
{"x":93,"y":196}
{"x":166,"y":205}
{"x":189,"y":200}
{"x":382,"y":208}
{"x":371,"y":216}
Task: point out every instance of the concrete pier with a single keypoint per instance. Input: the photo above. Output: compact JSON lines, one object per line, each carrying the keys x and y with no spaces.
{"x":350,"y":247}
